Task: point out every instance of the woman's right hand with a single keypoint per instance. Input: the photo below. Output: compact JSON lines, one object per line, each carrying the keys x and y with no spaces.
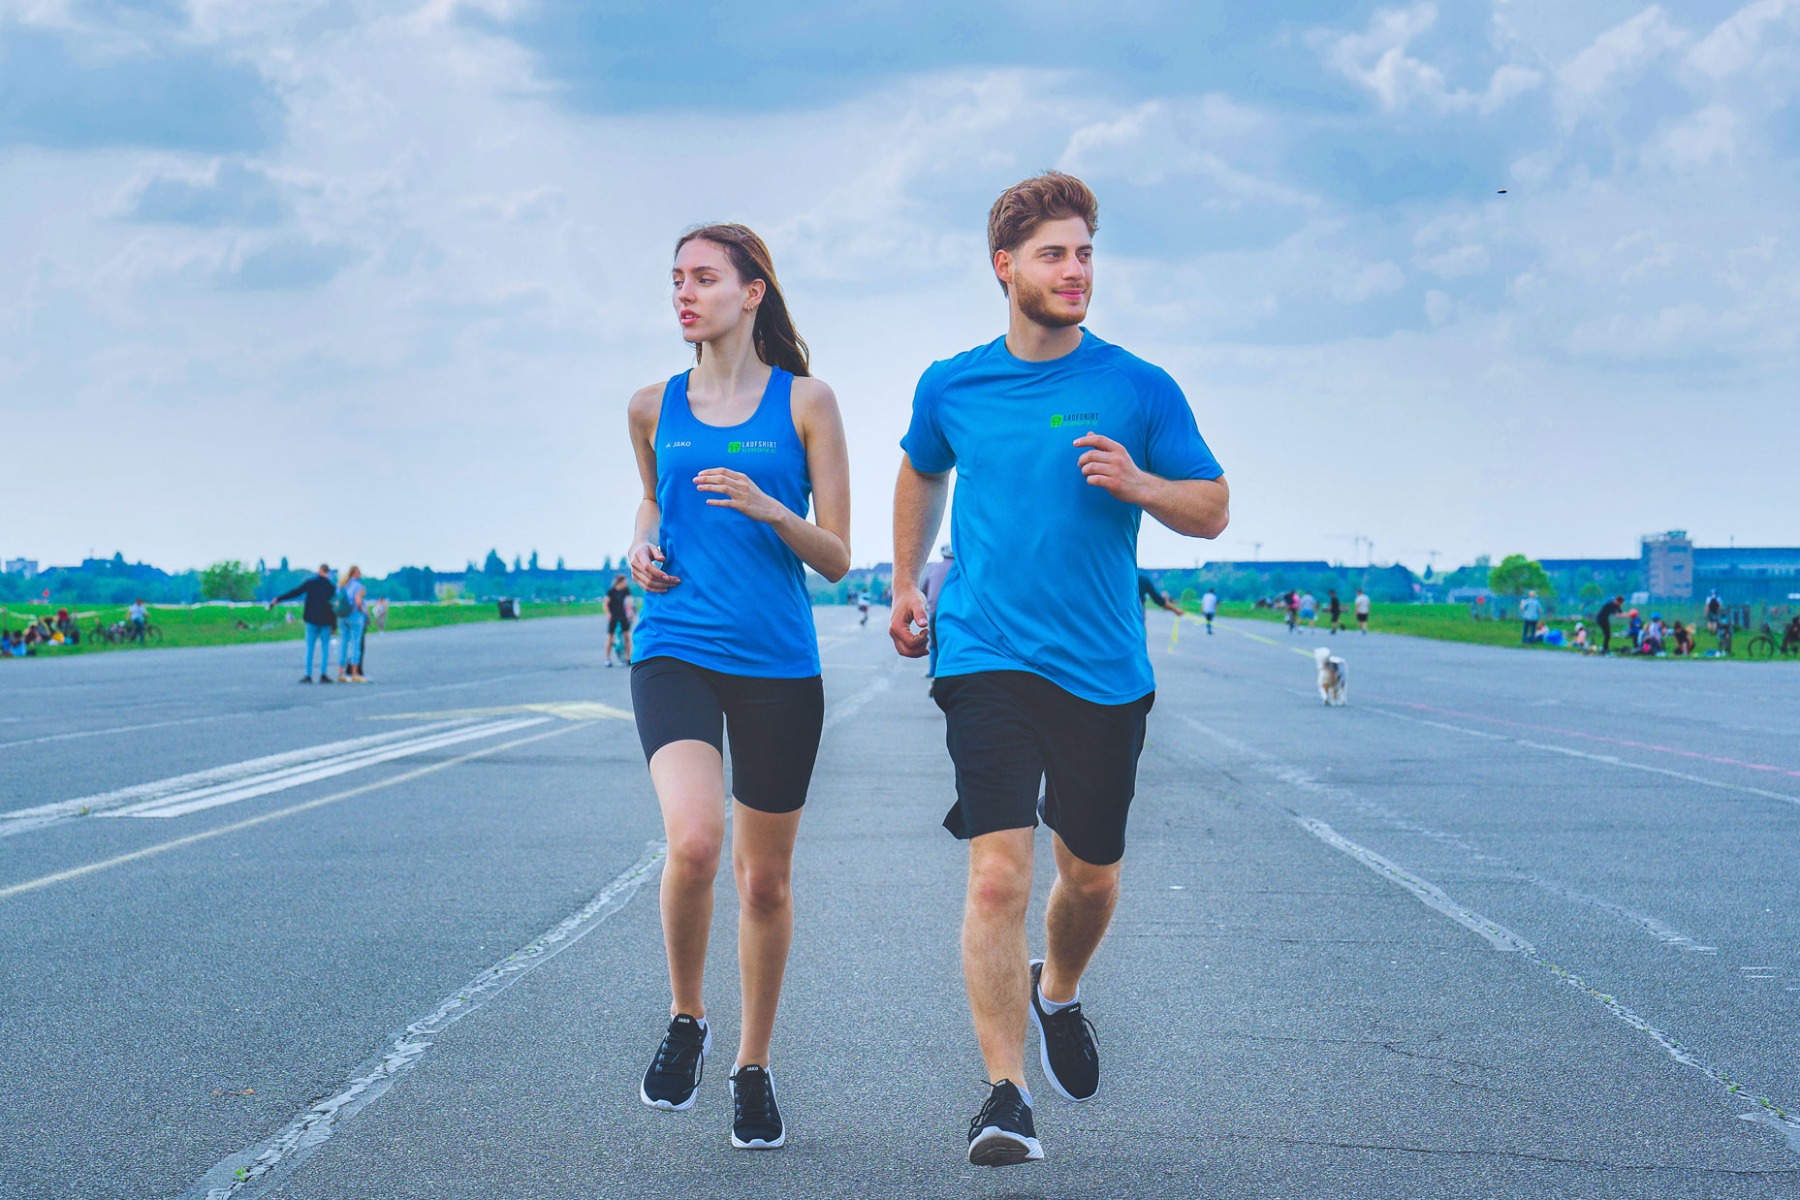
{"x":645,"y":573}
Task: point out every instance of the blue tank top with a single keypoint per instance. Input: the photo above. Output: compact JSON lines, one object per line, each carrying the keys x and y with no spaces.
{"x":742,"y":606}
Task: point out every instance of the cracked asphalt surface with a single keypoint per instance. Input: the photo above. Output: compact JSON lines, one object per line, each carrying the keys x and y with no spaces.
{"x":1508,"y":925}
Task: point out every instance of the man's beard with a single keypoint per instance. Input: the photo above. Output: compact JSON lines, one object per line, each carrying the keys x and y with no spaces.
{"x":1035,"y":304}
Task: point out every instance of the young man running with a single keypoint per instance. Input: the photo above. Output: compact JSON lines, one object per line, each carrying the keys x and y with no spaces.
{"x":1061,"y":443}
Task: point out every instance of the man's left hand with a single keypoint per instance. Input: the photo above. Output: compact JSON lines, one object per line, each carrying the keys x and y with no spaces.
{"x":1107,"y":464}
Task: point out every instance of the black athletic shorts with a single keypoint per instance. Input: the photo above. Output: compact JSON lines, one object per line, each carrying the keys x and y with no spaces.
{"x":616,"y":623}
{"x":774,"y":725}
{"x":1009,"y":731}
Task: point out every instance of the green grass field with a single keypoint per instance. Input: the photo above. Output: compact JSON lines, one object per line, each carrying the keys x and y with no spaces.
{"x":218,"y":625}
{"x":1452,"y":623}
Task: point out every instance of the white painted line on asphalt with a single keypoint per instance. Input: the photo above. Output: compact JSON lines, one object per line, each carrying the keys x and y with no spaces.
{"x":106,"y":864}
{"x":88,"y":733}
{"x":24,"y":819}
{"x":1497,"y":935}
{"x":1295,"y":777}
{"x":1605,"y":759}
{"x":252,"y":1171}
{"x":1787,"y":1121}
{"x":1769,"y":1111}
{"x":200,"y":799}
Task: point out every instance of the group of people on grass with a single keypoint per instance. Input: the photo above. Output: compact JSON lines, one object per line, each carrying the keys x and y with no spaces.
{"x":342,"y":608}
{"x":42,"y":632}
{"x":1302,"y":608}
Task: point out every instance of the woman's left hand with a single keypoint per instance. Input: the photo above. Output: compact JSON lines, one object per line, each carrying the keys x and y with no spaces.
{"x":741,"y":493}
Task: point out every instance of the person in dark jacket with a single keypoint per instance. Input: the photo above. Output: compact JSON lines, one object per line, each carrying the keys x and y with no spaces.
{"x":318,"y":617}
{"x":1608,"y":611}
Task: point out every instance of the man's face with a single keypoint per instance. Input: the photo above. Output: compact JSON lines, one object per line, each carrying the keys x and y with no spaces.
{"x":1050,"y":277}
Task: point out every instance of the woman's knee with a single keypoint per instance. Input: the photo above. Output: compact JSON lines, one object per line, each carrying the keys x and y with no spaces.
{"x":764,"y":888}
{"x":694,"y":855}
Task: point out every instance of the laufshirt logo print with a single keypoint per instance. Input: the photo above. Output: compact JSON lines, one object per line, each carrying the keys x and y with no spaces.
{"x":675,"y":445}
{"x":752,"y":448}
{"x":1058,"y":420}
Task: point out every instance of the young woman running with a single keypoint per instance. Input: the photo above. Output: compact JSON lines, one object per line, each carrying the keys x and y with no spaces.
{"x":729,"y":453}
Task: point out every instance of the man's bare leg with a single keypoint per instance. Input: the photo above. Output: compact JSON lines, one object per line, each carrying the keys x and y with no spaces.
{"x":1081,"y":907}
{"x":994,"y":950}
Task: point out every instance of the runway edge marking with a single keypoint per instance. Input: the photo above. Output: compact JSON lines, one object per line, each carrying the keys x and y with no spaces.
{"x":251,"y":1171}
{"x":1769,"y":1112}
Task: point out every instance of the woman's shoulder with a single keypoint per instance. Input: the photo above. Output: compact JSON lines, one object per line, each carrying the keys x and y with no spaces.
{"x":811,"y":396}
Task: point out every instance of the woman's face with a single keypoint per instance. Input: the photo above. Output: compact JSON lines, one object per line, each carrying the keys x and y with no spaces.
{"x":710,"y":300}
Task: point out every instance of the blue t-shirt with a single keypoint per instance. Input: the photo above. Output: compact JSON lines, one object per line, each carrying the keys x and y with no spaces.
{"x":741,"y":606}
{"x":1045,"y":571}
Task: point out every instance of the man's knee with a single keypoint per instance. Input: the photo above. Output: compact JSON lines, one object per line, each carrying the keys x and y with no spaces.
{"x":999,"y":875}
{"x":1090,"y":884}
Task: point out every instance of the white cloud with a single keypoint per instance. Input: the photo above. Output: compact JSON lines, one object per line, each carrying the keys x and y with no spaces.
{"x":1738,"y":41}
{"x":1170,"y":139}
{"x":1709,"y":136}
{"x":1617,"y":55}
{"x":1378,"y":59}
{"x":1458,"y":261}
{"x":1358,"y":283}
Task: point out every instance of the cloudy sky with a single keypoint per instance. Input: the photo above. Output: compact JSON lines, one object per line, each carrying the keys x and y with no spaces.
{"x":373,"y":281}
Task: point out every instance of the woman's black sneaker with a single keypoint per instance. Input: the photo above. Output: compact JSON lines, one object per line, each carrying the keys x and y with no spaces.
{"x":1067,"y":1050}
{"x":675,"y":1071}
{"x":755,"y":1121}
{"x":1002,"y":1135}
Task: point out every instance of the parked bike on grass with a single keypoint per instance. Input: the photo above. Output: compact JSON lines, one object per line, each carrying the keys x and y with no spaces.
{"x":1768,"y":643}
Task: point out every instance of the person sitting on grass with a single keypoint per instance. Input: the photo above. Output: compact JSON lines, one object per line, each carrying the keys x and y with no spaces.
{"x":1579,"y":639}
{"x":1684,"y":640}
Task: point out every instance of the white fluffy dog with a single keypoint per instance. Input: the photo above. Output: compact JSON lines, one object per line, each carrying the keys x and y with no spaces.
{"x":1332,"y":677}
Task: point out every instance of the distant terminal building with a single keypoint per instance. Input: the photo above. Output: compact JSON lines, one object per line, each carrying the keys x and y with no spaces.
{"x":1745,"y":575}
{"x":1670,"y":567}
{"x":20,"y":566}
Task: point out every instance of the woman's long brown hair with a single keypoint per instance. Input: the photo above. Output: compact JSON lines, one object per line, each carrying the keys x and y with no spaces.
{"x":777,"y":342}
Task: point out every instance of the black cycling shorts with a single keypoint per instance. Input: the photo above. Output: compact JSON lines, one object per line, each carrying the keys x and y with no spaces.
{"x":774,"y":725}
{"x":616,"y":623}
{"x":1010,"y":731}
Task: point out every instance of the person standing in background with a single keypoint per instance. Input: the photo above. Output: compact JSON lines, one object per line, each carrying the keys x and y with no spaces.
{"x":319,"y":619}
{"x":1335,"y":607}
{"x":618,"y":620}
{"x":353,"y":610}
{"x":1362,"y":611}
{"x":1531,"y":609}
{"x":1209,"y":608}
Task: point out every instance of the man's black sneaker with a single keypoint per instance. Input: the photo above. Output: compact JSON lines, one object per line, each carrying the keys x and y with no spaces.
{"x":306,"y":679}
{"x":675,"y":1072}
{"x":325,"y":679}
{"x":1070,"y":1058}
{"x":755,"y":1121}
{"x":1002,"y":1135}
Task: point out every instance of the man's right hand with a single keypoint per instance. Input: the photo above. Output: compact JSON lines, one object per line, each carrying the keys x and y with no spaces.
{"x":645,"y":572}
{"x":908,"y":625}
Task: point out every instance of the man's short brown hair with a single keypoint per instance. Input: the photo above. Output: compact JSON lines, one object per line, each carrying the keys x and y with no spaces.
{"x":1021,"y":208}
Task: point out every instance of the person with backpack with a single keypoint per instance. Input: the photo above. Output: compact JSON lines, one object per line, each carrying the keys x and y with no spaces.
{"x":350,"y":606}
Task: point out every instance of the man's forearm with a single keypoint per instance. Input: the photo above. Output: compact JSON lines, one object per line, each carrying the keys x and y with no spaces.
{"x":1192,"y":507}
{"x":918,"y":512}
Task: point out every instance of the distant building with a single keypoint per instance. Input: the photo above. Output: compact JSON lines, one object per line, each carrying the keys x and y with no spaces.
{"x":1669,"y":565}
{"x":20,"y":566}
{"x":1748,"y":574}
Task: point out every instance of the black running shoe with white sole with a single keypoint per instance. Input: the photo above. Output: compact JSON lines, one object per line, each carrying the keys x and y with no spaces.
{"x":755,"y":1121}
{"x":1067,"y":1048}
{"x":675,"y":1072}
{"x":1002,"y":1135}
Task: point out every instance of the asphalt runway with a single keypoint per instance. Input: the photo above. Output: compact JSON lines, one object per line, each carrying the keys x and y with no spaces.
{"x":1508,"y":925}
